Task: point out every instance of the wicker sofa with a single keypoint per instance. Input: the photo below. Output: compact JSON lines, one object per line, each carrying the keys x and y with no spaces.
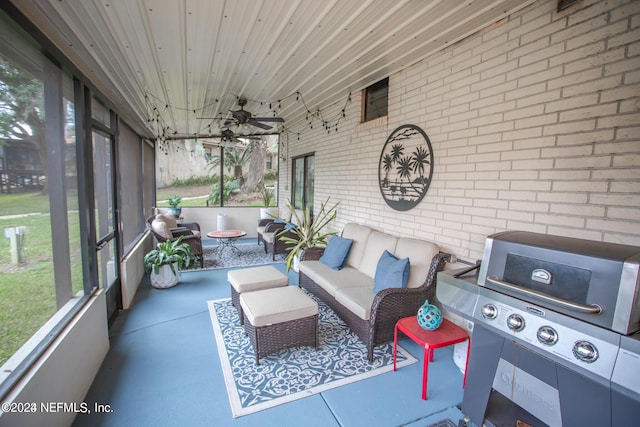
{"x":350,"y":290}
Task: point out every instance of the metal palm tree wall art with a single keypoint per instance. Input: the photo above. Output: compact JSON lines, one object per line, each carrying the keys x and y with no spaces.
{"x":406,"y":167}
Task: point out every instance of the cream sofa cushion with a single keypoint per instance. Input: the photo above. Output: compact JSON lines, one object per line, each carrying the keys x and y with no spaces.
{"x":277,"y":305}
{"x":256,"y":278}
{"x":357,"y":300}
{"x":359,"y":234}
{"x":299,"y":215}
{"x":269,"y":237}
{"x":160,"y":226}
{"x":377,"y":243}
{"x":170,"y":220}
{"x":420,"y":254}
{"x":285,"y":214}
{"x":332,"y":280}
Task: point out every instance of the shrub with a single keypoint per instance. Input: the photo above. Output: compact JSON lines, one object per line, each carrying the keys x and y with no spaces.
{"x":195,"y":181}
{"x":229,"y":187}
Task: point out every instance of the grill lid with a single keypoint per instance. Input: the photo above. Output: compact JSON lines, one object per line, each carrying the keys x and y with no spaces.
{"x":597,"y":282}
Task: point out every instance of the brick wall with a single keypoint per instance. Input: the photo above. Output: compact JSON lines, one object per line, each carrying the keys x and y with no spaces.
{"x":534,"y":123}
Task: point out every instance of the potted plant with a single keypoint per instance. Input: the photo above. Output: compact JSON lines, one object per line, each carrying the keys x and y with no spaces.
{"x":308,"y":233}
{"x":268,"y":211}
{"x":174,"y":205}
{"x":165,"y":262}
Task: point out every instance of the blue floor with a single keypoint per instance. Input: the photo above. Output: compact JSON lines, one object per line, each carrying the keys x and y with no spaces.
{"x":163,"y":369}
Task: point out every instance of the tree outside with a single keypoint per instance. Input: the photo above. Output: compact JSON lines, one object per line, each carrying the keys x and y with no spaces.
{"x":193,"y":170}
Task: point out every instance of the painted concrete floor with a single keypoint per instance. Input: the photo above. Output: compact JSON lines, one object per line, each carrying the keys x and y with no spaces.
{"x":163,"y":369}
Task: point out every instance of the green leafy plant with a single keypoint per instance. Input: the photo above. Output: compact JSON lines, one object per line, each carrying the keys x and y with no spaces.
{"x":174,"y":201}
{"x":169,"y":253}
{"x":310,"y":230}
{"x":229,"y":187}
{"x":267,"y":195}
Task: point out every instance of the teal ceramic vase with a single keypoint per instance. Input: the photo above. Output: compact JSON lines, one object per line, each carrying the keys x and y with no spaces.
{"x":429,"y":316}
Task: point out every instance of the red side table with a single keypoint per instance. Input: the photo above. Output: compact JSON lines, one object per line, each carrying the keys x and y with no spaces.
{"x":447,"y":334}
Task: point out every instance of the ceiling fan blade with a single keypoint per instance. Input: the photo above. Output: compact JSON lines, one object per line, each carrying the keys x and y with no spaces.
{"x":241,"y":116}
{"x":253,"y":122}
{"x":269,"y":119}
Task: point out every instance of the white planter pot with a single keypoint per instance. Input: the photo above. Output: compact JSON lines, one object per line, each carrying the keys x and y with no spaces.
{"x":295,"y":265}
{"x":269,"y":213}
{"x":165,"y":278}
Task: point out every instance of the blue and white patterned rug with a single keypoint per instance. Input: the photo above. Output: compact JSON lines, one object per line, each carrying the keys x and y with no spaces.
{"x":249,"y":254}
{"x":297,"y":372}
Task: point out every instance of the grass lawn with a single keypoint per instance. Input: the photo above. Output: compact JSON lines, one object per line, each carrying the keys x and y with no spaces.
{"x":27,"y":290}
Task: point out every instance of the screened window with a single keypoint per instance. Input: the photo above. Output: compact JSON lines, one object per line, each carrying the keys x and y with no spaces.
{"x":376,"y":100}
{"x":216,"y":172}
{"x":149,"y":180}
{"x":40,"y":257}
{"x":59,"y":206}
{"x":131,"y":177}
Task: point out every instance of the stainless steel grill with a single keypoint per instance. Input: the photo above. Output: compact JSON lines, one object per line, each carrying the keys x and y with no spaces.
{"x":592,"y":281}
{"x":555,"y":341}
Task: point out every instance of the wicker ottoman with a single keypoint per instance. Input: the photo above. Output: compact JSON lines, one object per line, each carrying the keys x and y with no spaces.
{"x":279,"y":318}
{"x":254,"y":279}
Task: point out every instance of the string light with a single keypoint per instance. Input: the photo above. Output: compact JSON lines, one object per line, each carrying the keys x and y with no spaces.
{"x":159,"y":126}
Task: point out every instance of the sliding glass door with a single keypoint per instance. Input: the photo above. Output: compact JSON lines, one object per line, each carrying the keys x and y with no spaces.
{"x":303,"y":181}
{"x":106,"y":221}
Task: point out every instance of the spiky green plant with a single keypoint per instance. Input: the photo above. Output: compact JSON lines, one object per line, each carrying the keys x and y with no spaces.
{"x":267,"y":195}
{"x":309,"y":232}
{"x":174,"y":201}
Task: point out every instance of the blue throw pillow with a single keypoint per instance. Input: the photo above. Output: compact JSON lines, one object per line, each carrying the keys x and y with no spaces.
{"x":391,"y":272}
{"x":335,"y":254}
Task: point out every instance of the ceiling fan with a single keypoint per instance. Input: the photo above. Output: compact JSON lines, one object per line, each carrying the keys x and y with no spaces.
{"x":242,"y":116}
{"x":227,"y":135}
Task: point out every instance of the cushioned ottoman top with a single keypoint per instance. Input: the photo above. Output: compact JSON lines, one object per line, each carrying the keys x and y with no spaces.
{"x":277,"y":305}
{"x":256,"y":278}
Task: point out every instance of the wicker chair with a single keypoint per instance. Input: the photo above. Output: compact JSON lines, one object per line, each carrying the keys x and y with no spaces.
{"x":262,"y":224}
{"x":190,"y":232}
{"x":284,"y":216}
{"x":389,"y":305}
{"x":272,"y":238}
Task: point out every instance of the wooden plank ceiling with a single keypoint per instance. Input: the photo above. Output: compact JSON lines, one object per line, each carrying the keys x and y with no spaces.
{"x":184,"y":63}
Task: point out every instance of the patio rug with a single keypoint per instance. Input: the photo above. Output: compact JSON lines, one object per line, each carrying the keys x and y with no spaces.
{"x":250,"y":254}
{"x":444,"y":423}
{"x":297,"y":372}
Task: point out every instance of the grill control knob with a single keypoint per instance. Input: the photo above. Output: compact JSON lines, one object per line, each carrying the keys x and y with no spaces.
{"x":515,"y":322}
{"x":547,"y":335}
{"x":585,"y":351}
{"x":489,"y":311}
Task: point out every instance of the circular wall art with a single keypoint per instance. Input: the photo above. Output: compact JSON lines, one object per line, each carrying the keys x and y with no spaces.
{"x":406,"y":167}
